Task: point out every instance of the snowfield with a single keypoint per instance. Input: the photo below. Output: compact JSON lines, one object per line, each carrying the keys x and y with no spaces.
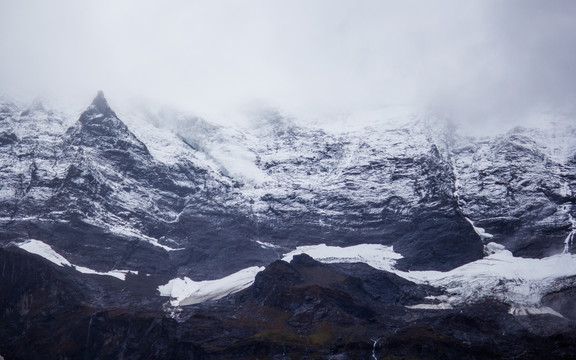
{"x":185,"y":291}
{"x":519,"y":282}
{"x":378,"y":256}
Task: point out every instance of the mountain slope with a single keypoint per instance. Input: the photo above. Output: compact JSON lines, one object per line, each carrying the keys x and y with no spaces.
{"x":417,"y":223}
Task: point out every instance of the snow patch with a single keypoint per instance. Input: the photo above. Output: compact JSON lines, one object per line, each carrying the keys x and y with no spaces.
{"x":493,"y":248}
{"x":119,"y":274}
{"x":480,"y":231}
{"x":39,"y":248}
{"x":267,"y":245}
{"x":523,"y":311}
{"x":441,"y":306}
{"x":44,"y":250}
{"x":185,"y":291}
{"x":238,"y":162}
{"x":378,"y":256}
{"x":126,"y":231}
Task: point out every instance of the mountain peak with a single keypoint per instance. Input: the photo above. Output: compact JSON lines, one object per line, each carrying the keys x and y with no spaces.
{"x":100,"y":104}
{"x":100,"y":127}
{"x":99,"y":119}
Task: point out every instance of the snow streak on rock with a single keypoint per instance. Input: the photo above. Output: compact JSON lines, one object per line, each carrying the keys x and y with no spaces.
{"x":44,"y":250}
{"x":569,"y":242}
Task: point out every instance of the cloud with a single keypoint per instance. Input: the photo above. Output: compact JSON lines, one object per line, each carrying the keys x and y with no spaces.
{"x":526,"y":64}
{"x":476,"y":60}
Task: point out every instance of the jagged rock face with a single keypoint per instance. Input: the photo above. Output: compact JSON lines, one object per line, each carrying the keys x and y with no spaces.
{"x":388,"y":186}
{"x":391,"y":187}
{"x":96,"y":193}
{"x":405,"y":186}
{"x":520,"y":187}
{"x":29,"y":157}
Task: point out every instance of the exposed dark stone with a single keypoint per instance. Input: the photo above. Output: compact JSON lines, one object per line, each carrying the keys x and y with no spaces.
{"x":7,"y":138}
{"x":563,"y":301}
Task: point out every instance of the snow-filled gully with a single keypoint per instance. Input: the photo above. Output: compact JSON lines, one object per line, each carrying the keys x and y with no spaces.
{"x":569,"y":242}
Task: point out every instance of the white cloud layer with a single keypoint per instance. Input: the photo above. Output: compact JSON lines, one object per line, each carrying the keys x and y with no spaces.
{"x":475,"y":60}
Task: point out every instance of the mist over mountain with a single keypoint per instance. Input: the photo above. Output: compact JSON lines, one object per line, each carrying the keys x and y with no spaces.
{"x":482,"y":63}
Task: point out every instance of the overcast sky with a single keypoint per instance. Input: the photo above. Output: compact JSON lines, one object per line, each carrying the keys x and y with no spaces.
{"x":474,"y":60}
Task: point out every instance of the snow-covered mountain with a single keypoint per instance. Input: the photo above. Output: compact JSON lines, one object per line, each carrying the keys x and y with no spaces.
{"x":142,"y":209}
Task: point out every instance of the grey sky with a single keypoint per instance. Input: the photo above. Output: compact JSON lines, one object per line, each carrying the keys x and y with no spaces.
{"x":474,"y":60}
